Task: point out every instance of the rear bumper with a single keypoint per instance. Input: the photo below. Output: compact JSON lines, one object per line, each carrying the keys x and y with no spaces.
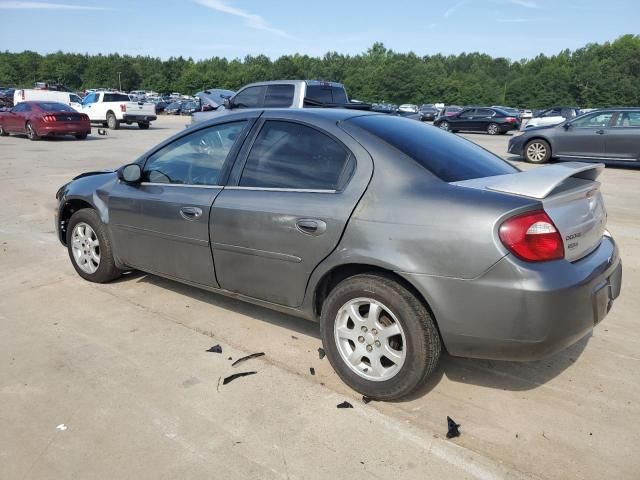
{"x":522,"y":311}
{"x":138,"y":118}
{"x":64,"y":129}
{"x":507,"y":127}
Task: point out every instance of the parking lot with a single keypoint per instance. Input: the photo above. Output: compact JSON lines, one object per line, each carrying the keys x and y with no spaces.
{"x":114,"y":381}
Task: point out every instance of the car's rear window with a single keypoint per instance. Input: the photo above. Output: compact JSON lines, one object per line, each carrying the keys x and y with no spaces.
{"x":115,"y":97}
{"x":449,"y":157}
{"x":55,"y":107}
{"x":327,"y":94}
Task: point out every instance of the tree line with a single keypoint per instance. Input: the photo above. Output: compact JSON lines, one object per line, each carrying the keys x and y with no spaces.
{"x":597,"y":75}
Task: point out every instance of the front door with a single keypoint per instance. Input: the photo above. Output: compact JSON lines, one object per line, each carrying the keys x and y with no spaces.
{"x":464,"y":120}
{"x":584,"y":137}
{"x":161,"y":225}
{"x":89,"y":106}
{"x":289,"y":200}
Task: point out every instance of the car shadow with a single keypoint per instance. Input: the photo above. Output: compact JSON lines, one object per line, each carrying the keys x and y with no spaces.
{"x":256,"y":312}
{"x":499,"y":375}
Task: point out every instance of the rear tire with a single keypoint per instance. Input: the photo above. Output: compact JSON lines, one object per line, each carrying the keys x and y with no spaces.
{"x":3,"y":132}
{"x":537,"y":151}
{"x":368,"y":354}
{"x":89,"y":247}
{"x":143,"y":125}
{"x":31,"y":132}
{"x":81,"y":136}
{"x":112,"y":121}
{"x":493,"y":129}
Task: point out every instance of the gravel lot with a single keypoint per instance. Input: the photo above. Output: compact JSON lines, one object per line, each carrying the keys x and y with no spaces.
{"x":123,"y":366}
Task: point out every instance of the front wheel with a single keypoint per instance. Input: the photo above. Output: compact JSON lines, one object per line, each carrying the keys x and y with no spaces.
{"x":143,"y":125}
{"x":379,"y":337}
{"x":537,"y":151}
{"x":444,"y":125}
{"x":89,"y":247}
{"x":31,"y":132}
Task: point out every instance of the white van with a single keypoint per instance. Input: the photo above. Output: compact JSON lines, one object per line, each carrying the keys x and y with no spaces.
{"x":35,"y":95}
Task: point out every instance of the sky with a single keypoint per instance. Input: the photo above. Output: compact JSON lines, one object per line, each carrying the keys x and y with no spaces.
{"x":515,"y":29}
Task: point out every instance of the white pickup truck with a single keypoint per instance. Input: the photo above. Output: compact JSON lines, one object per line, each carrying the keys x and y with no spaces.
{"x":113,"y":108}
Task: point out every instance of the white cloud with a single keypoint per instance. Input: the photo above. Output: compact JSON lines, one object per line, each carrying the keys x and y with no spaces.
{"x":451,"y":10}
{"x":46,"y":6}
{"x":251,"y":19}
{"x":526,"y":3}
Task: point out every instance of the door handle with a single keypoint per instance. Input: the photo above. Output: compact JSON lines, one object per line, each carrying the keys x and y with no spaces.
{"x":600,"y":132}
{"x":190,"y":213}
{"x":311,"y":226}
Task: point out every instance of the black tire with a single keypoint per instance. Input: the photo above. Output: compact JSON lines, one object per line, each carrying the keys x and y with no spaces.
{"x":107,"y":270}
{"x":31,"y":132}
{"x":493,"y":129}
{"x":143,"y":125}
{"x":422,"y":339}
{"x":112,"y":122}
{"x":81,"y":136}
{"x":537,"y":151}
{"x":444,"y":125}
{"x":3,"y":132}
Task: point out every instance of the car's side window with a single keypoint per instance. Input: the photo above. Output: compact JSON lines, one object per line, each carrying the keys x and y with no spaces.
{"x":279,"y":96}
{"x":91,"y":98}
{"x":196,"y":158}
{"x":628,"y":119}
{"x":485,"y":112}
{"x":594,"y":120}
{"x":251,"y":97}
{"x":467,"y":113}
{"x":21,"y":107}
{"x":294,"y":156}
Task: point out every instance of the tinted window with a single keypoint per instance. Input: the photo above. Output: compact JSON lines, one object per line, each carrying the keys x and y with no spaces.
{"x":447,"y":156}
{"x":91,"y":98}
{"x":22,"y":107}
{"x":195,"y":159}
{"x":467,"y":113}
{"x":55,"y":107}
{"x":484,"y":112}
{"x":628,"y":119}
{"x":115,"y":97}
{"x":279,"y":96}
{"x":593,"y":120}
{"x":326,"y":94}
{"x":251,"y":97}
{"x":554,"y":112}
{"x":75,"y":98}
{"x":289,"y":155}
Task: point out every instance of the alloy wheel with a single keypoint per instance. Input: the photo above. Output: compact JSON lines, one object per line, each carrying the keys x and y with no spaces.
{"x":370,"y":339}
{"x":536,"y":152}
{"x":86,"y":247}
{"x":444,"y":126}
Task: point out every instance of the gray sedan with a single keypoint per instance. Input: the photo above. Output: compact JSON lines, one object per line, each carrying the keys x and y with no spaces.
{"x":399,"y":238}
{"x":604,"y":135}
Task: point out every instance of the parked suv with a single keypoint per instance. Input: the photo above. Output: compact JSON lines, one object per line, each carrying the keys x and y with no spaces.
{"x":285,"y":94}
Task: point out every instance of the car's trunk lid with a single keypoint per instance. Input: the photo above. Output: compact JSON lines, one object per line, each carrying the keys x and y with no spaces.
{"x":569,"y":194}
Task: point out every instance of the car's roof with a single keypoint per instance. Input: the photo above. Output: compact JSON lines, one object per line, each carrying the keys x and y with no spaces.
{"x":294,"y":82}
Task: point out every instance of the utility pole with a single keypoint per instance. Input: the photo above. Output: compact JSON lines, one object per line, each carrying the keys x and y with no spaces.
{"x":119,"y":82}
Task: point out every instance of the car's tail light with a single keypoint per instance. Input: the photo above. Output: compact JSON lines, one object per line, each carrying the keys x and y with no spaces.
{"x":532,"y":236}
{"x":84,"y":117}
{"x":511,"y":119}
{"x":123,"y":107}
{"x":49,"y":118}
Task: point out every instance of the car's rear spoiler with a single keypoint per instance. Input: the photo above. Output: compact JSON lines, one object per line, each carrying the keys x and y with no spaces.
{"x":537,"y":182}
{"x":308,"y":102}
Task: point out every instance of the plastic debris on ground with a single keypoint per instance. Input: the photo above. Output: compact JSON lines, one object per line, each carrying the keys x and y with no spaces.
{"x":453,"y":428}
{"x":344,"y":404}
{"x":248,"y":357}
{"x":312,"y":370}
{"x":215,"y":349}
{"x":231,"y":378}
{"x":321,"y":353}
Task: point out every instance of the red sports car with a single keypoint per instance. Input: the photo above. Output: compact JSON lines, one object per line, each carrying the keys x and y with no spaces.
{"x":41,"y":119}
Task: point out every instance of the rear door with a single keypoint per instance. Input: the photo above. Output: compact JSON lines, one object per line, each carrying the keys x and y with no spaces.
{"x":287,"y":204}
{"x":482,"y":118}
{"x":585,"y":137}
{"x":622,"y":138}
{"x":161,"y":225}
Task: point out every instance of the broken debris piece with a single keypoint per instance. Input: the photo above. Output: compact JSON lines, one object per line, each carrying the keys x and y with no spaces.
{"x":231,"y":378}
{"x":344,"y":404}
{"x":321,"y":353}
{"x":365,"y":399}
{"x":248,"y":357}
{"x":215,"y":349}
{"x":453,"y":428}
{"x":312,"y":370}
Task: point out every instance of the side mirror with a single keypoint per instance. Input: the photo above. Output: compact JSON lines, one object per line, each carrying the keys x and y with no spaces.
{"x":131,"y":173}
{"x":567,"y":126}
{"x":228,"y":104}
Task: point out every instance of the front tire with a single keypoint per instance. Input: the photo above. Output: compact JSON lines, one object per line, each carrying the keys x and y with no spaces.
{"x":31,"y":132}
{"x":379,"y":337}
{"x":112,"y":121}
{"x":444,"y":125}
{"x":537,"y":151}
{"x":89,"y":247}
